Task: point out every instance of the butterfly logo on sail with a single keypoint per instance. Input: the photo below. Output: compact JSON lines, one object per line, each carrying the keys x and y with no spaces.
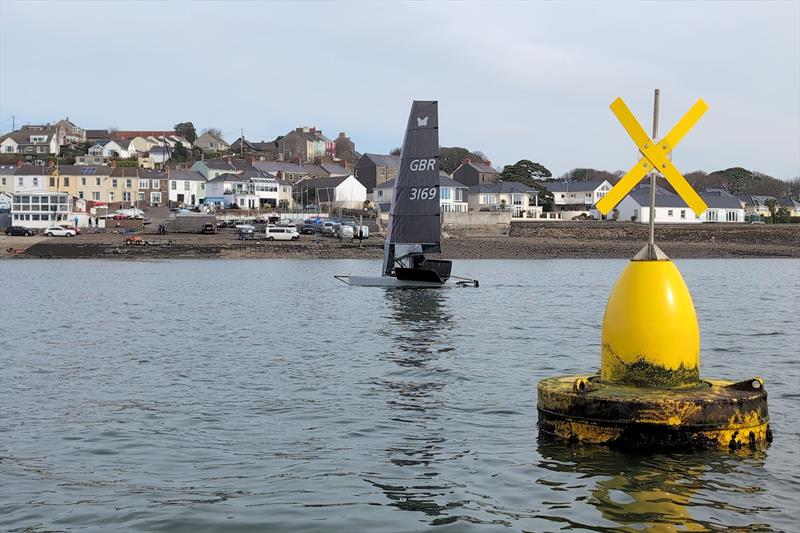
{"x":422,"y":122}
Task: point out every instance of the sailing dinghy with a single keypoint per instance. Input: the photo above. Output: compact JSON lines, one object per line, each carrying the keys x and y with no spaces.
{"x":415,"y":216}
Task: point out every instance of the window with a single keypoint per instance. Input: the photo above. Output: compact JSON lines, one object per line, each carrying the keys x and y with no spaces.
{"x":380,"y":193}
{"x":41,"y":149}
{"x":563,"y":196}
{"x":144,"y":184}
{"x":156,"y":184}
{"x":97,"y":181}
{"x":155,"y":197}
{"x":80,"y":194}
{"x":126,"y":196}
{"x":669,"y":212}
{"x":186,"y":185}
{"x":140,"y":197}
{"x":111,"y":197}
{"x":66,"y":181}
{"x":83,"y":181}
{"x":683,"y":214}
{"x":114,"y":183}
{"x":731,"y":216}
{"x":173,"y":185}
{"x":128,"y":184}
{"x":8,"y":149}
{"x":52,"y":182}
{"x":3,"y":181}
{"x":19,"y":181}
{"x":96,"y":196}
{"x":35,"y":181}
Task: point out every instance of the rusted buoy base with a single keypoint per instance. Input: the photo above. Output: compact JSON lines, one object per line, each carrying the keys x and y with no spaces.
{"x":710,"y":414}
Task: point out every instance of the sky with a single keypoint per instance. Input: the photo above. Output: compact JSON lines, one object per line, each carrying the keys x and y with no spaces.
{"x":513,"y":80}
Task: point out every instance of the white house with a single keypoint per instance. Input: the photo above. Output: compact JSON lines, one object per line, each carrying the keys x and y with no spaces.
{"x":98,"y":148}
{"x":452,"y":194}
{"x":520,"y":199}
{"x":7,"y":178}
{"x":577,"y":195}
{"x":670,"y":208}
{"x":231,"y":189}
{"x":186,"y":187}
{"x":119,"y":149}
{"x":32,"y":178}
{"x":722,"y":207}
{"x":337,"y":191}
{"x":40,"y":210}
{"x":160,"y":154}
{"x":32,"y":141}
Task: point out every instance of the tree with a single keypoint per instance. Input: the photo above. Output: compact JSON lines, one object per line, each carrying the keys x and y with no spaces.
{"x":588,"y":174}
{"x":212,"y":131}
{"x":179,"y":153}
{"x":451,"y":158}
{"x":186,"y":130}
{"x":395,"y":151}
{"x":525,"y":171}
{"x":794,"y":188}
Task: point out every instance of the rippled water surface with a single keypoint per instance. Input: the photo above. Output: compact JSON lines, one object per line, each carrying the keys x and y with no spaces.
{"x":266,"y":396}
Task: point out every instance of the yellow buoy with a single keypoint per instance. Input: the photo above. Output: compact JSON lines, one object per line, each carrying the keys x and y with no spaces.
{"x":650,"y":334}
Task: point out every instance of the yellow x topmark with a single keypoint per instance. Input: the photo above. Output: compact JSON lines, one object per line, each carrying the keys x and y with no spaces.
{"x":655,"y":156}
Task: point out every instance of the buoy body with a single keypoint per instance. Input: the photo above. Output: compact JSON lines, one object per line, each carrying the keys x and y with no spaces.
{"x":650,"y":334}
{"x":649,"y":393}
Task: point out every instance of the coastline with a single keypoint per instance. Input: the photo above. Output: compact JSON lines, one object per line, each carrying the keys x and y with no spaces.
{"x":533,"y":240}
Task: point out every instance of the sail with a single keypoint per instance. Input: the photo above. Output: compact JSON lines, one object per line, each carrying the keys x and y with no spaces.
{"x":414,"y":218}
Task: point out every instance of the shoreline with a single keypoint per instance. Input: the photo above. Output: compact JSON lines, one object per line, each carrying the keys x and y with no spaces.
{"x":533,"y":240}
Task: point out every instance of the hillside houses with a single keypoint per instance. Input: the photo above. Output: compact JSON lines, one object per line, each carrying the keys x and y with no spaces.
{"x":373,"y":170}
{"x":453,"y":196}
{"x":472,"y":173}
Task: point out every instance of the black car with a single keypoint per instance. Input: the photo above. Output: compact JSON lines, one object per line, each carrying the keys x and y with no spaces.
{"x":208,"y":229}
{"x":308,"y":229}
{"x":19,"y":231}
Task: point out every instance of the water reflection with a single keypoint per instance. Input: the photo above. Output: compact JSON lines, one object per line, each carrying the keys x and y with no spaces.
{"x":415,"y":331}
{"x":657,"y":492}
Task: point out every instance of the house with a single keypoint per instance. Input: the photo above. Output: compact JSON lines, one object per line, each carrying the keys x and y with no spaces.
{"x":32,"y":142}
{"x":211,"y":143}
{"x":6,"y":201}
{"x":260,"y":149}
{"x":211,"y":168}
{"x":91,"y":160}
{"x":160,"y":154}
{"x":96,"y":135}
{"x":791,"y":204}
{"x":117,"y":149}
{"x":577,"y":195}
{"x":84,"y":182}
{"x":7,"y":178}
{"x":305,"y":145}
{"x":375,"y":169}
{"x":72,"y":133}
{"x":40,"y":209}
{"x":229,"y":189}
{"x":131,"y":134}
{"x":336,"y":192}
{"x":670,"y":208}
{"x":32,"y":178}
{"x":520,"y":199}
{"x":186,"y":187}
{"x":755,"y":206}
{"x":282,"y":170}
{"x":472,"y":173}
{"x":344,"y":147}
{"x":722,"y":207}
{"x":453,"y":196}
{"x":98,"y":147}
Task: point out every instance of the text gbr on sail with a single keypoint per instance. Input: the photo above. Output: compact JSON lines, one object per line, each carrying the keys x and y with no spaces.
{"x":418,"y":165}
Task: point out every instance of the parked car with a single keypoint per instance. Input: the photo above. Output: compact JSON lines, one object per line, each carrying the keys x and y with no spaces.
{"x":58,"y":231}
{"x":328,"y":228}
{"x":344,"y":231}
{"x":20,"y":231}
{"x":308,"y":229}
{"x":73,"y":228}
{"x":281,"y":234}
{"x":208,"y":229}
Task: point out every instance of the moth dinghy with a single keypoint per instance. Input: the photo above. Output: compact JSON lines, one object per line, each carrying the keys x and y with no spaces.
{"x":415,"y":216}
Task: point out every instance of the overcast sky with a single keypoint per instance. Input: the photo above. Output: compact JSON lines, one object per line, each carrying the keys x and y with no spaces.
{"x":518,"y":80}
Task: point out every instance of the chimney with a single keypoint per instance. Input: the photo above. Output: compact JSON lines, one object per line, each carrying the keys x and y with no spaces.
{"x":488,"y":162}
{"x":113,"y":163}
{"x":342,"y":135}
{"x":466,"y":161}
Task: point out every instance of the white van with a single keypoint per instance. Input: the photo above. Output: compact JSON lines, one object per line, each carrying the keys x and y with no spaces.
{"x":281,"y":234}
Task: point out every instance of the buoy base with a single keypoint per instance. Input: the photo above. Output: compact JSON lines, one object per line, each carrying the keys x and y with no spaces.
{"x":711,"y":414}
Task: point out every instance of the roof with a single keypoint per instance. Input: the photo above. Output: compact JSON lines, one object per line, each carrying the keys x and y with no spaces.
{"x":280,"y":166}
{"x":480,"y":166}
{"x":384,"y":160}
{"x":8,"y":170}
{"x":23,"y":135}
{"x":321,"y":183}
{"x":224,"y":164}
{"x":33,"y":170}
{"x":503,"y":187}
{"x":719,"y":199}
{"x":444,"y":181}
{"x":335,"y":169}
{"x":97,"y":134}
{"x":216,"y":138}
{"x":573,"y":186}
{"x":664,"y":198}
{"x":789,"y":202}
{"x":136,"y":172}
{"x":84,"y":170}
{"x":229,"y":177}
{"x":755,"y":200}
{"x":130,"y":134}
{"x":185,"y":175}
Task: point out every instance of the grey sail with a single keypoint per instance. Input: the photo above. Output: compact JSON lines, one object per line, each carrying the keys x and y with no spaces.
{"x":414,"y":218}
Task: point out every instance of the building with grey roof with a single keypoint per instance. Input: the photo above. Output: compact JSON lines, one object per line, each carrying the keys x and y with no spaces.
{"x":472,"y":173}
{"x":373,"y":170}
